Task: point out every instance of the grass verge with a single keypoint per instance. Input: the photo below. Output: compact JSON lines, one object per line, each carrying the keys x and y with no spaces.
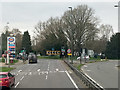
{"x":79,"y":66}
{"x":5,"y":69}
{"x":14,"y":61}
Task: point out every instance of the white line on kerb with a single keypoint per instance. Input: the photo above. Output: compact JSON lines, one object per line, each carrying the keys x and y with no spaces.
{"x":17,"y":84}
{"x":93,"y":80}
{"x":72,"y":80}
{"x":22,"y":78}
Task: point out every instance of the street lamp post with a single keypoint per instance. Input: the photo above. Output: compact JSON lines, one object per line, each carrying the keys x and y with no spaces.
{"x":118,"y":23}
{"x":118,"y":6}
{"x":71,"y":38}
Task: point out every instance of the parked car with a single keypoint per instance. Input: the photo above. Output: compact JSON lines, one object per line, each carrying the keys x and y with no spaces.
{"x":32,"y":58}
{"x":7,"y":80}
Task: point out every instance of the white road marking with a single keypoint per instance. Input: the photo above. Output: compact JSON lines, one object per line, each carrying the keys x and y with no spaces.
{"x":57,"y":69}
{"x":88,"y":70}
{"x":20,"y":71}
{"x":39,"y":73}
{"x":85,"y":66}
{"x":72,"y":80}
{"x":17,"y":75}
{"x":22,"y":78}
{"x":38,"y":70}
{"x":46,"y":77}
{"x":17,"y":84}
{"x":61,"y":71}
{"x":46,"y":72}
{"x":30,"y":73}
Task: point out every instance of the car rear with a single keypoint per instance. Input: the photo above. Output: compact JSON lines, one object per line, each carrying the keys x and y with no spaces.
{"x":4,"y":80}
{"x":32,"y":58}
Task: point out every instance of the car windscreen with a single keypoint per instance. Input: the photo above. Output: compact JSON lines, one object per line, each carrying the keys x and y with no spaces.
{"x":3,"y":75}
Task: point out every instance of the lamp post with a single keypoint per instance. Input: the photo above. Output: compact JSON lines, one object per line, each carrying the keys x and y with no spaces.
{"x":71,"y":37}
{"x":118,"y":6}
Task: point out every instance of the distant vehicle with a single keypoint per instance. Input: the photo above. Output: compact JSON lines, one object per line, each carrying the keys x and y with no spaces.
{"x":7,"y":80}
{"x":78,"y":58}
{"x":4,"y":55}
{"x":83,"y":57}
{"x":32,"y":58}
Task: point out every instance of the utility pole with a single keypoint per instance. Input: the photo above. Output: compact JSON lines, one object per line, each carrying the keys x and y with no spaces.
{"x":71,"y":43}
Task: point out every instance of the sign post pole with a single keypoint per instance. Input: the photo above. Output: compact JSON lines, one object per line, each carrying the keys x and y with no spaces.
{"x":7,"y":52}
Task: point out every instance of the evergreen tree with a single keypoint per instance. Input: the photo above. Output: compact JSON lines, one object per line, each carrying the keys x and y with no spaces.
{"x":113,"y":47}
{"x":26,"y":42}
{"x":4,"y":40}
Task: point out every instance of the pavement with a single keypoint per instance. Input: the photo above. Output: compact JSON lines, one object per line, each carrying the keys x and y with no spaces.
{"x":103,"y":73}
{"x":46,"y":74}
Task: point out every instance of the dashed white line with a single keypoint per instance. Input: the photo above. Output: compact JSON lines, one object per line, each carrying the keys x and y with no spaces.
{"x":17,"y":75}
{"x":88,"y":70}
{"x":61,"y":71}
{"x":57,"y":69}
{"x":46,"y":77}
{"x":72,"y":80}
{"x":38,"y":70}
{"x":22,"y":78}
{"x":17,"y":84}
{"x":30,"y":73}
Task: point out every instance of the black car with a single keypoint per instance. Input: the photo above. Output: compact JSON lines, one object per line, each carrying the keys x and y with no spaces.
{"x":32,"y":58}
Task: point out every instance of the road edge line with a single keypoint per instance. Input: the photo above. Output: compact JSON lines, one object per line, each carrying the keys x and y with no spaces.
{"x":72,"y":80}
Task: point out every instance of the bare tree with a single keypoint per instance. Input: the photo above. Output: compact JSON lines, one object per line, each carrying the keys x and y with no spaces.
{"x":79,"y":26}
{"x":106,"y":31}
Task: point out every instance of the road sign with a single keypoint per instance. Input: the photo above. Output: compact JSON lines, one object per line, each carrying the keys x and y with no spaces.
{"x":53,"y":52}
{"x":62,"y":50}
{"x":69,"y":54}
{"x":11,"y":39}
{"x":10,"y":47}
{"x":69,"y":51}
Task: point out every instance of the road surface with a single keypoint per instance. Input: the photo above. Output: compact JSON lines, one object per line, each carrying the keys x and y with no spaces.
{"x":44,"y":74}
{"x":104,"y":73}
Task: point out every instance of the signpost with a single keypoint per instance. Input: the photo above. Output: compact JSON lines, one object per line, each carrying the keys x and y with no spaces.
{"x":69,"y":53}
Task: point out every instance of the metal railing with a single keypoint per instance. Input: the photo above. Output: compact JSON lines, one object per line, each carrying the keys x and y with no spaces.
{"x":86,"y":80}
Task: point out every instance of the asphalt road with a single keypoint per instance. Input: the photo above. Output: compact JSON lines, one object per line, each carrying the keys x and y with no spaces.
{"x":103,"y":73}
{"x":44,"y":74}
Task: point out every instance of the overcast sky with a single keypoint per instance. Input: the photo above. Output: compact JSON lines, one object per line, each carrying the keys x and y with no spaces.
{"x":25,"y":15}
